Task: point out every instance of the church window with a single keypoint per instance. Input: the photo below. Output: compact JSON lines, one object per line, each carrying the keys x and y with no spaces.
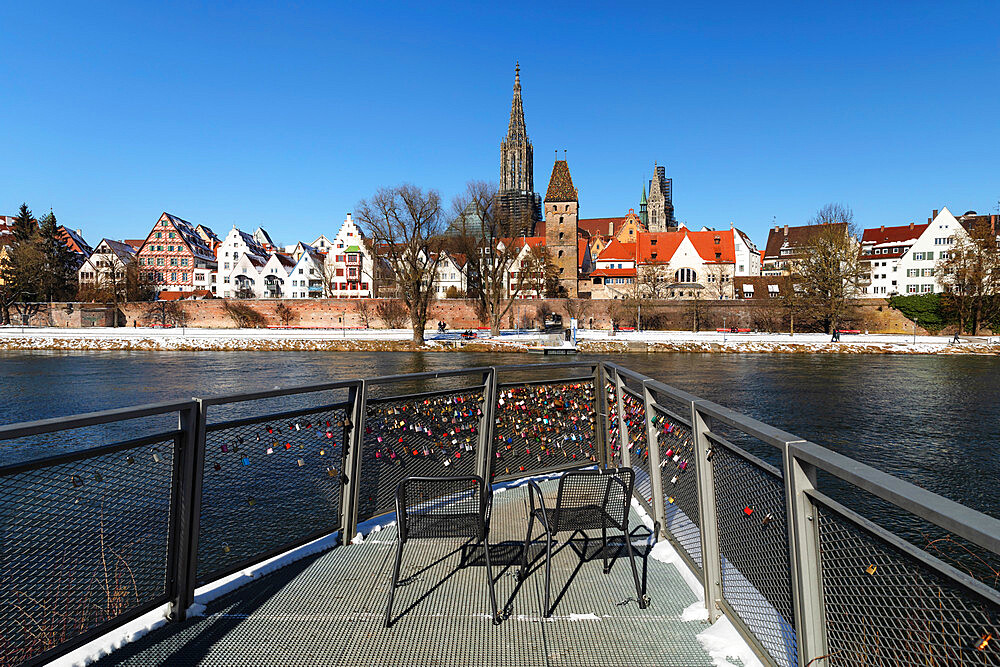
{"x":685,"y":276}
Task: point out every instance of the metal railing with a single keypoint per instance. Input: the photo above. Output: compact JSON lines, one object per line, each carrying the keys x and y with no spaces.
{"x":94,"y":538}
{"x":804,"y":579}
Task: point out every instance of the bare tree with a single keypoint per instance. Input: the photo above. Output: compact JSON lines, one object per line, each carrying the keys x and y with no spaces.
{"x":406,"y":228}
{"x":830,"y":272}
{"x":720,"y":282}
{"x":243,"y":315}
{"x":365,"y":311}
{"x":578,"y":309}
{"x":970,"y":272}
{"x":164,"y":314}
{"x":653,"y":280}
{"x":392,"y":312}
{"x":537,"y":274}
{"x":490,"y":239}
{"x":284,"y":314}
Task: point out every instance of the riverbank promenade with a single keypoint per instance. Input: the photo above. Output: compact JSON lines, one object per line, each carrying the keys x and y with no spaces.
{"x":262,"y":529}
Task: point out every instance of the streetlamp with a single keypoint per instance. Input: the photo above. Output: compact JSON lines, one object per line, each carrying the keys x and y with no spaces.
{"x":724,"y":329}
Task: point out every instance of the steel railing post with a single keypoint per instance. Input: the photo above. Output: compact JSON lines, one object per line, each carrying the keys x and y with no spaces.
{"x":601,"y":414}
{"x":711,"y":557}
{"x":652,"y":444}
{"x":186,"y":508}
{"x":623,"y":440}
{"x":804,"y":558}
{"x":487,"y":426}
{"x":357,"y":396}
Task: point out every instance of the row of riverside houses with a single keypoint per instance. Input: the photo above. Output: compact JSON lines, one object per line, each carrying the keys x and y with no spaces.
{"x":615,"y":258}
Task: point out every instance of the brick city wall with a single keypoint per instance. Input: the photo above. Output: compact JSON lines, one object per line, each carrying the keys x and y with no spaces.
{"x":874,"y":315}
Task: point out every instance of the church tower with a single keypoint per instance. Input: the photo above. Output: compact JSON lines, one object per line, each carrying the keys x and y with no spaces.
{"x":660,"y":206}
{"x":517,"y":181}
{"x":642,"y":208}
{"x":562,"y":211}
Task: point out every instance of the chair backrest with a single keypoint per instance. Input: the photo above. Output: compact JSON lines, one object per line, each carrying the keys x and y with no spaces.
{"x":429,"y":507}
{"x":609,"y":489}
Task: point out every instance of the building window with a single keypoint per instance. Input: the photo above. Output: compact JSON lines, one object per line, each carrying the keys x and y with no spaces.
{"x":685,"y":276}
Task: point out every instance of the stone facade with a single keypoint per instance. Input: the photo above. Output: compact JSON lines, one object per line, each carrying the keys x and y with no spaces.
{"x":660,"y":204}
{"x":562,"y":211}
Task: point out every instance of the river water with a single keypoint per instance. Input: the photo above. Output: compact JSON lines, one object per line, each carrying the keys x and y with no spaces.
{"x":932,"y":420}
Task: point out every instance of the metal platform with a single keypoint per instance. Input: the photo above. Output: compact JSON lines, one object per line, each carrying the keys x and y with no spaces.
{"x":328,"y":609}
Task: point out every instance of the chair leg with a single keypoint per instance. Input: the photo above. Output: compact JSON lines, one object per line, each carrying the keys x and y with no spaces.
{"x":523,"y":572}
{"x":394,"y":582}
{"x":548,"y":571}
{"x":604,"y":548}
{"x":489,"y":581}
{"x":643,"y":599}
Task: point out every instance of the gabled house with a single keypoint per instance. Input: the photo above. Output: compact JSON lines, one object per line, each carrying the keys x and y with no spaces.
{"x":881,"y":249}
{"x":77,"y":245}
{"x":786,"y":246}
{"x":108,"y":262}
{"x":916,"y":269}
{"x":450,"y":274}
{"x":349,"y":270}
{"x":237,"y":245}
{"x":174,"y":257}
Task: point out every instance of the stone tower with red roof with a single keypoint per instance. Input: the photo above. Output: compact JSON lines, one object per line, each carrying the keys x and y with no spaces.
{"x":562,"y":211}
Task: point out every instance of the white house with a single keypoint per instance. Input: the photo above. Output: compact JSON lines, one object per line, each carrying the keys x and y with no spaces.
{"x":349,"y":267}
{"x":916,"y":267}
{"x":450,"y":273}
{"x":237,"y":245}
{"x":881,"y":249}
{"x":108,"y":256}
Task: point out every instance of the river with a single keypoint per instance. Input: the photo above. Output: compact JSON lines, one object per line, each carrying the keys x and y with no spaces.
{"x":932,"y":420}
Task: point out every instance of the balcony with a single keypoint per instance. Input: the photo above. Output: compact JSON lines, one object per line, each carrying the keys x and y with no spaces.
{"x":229,"y":518}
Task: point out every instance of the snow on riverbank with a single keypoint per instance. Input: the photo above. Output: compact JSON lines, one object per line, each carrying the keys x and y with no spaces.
{"x":592,"y":341}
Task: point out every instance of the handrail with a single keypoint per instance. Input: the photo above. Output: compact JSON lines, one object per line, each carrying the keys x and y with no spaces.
{"x":793,"y":485}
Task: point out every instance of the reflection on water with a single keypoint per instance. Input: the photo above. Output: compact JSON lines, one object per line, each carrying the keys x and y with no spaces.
{"x":929,"y":419}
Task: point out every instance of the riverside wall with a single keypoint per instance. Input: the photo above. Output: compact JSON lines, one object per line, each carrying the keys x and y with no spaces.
{"x":873,"y":315}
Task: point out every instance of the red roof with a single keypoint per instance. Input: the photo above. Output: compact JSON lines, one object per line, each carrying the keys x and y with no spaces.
{"x":613,"y":273}
{"x":600,"y":226}
{"x":665,"y":244}
{"x":616,"y":250}
{"x":581,"y":251}
{"x":176,"y":296}
{"x":714,"y":246}
{"x":899,"y":234}
{"x":135,"y":243}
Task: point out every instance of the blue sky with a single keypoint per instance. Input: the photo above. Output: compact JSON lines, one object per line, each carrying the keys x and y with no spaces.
{"x":287,"y":115}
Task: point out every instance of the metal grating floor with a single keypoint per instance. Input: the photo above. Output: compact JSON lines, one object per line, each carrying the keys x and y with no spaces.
{"x":328,"y":609}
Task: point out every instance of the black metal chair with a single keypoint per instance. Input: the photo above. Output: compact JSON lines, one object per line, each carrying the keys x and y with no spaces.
{"x":442,"y":508}
{"x":587,"y":500}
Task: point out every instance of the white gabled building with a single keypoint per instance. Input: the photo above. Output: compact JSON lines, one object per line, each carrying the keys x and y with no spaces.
{"x":234,"y":248}
{"x":881,"y":249}
{"x":450,"y":273}
{"x":917,"y":267}
{"x":305,"y":277}
{"x":108,"y":256}
{"x":349,"y":268}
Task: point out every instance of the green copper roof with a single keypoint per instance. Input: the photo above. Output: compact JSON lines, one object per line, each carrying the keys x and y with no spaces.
{"x":643,"y":200}
{"x":353,"y":248}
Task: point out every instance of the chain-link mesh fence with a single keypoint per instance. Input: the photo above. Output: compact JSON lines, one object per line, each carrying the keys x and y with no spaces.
{"x":270,"y":482}
{"x":886,"y":606}
{"x":433,"y":434}
{"x":636,"y":444}
{"x":82,"y":543}
{"x":544,"y":426}
{"x":613,"y":442}
{"x":679,"y":481}
{"x":753,"y":541}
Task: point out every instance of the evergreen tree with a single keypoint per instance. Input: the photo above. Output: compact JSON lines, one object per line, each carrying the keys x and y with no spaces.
{"x":57,"y":276}
{"x":25,"y":226}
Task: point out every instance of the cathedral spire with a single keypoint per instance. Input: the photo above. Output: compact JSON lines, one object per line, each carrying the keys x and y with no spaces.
{"x":516,"y":127}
